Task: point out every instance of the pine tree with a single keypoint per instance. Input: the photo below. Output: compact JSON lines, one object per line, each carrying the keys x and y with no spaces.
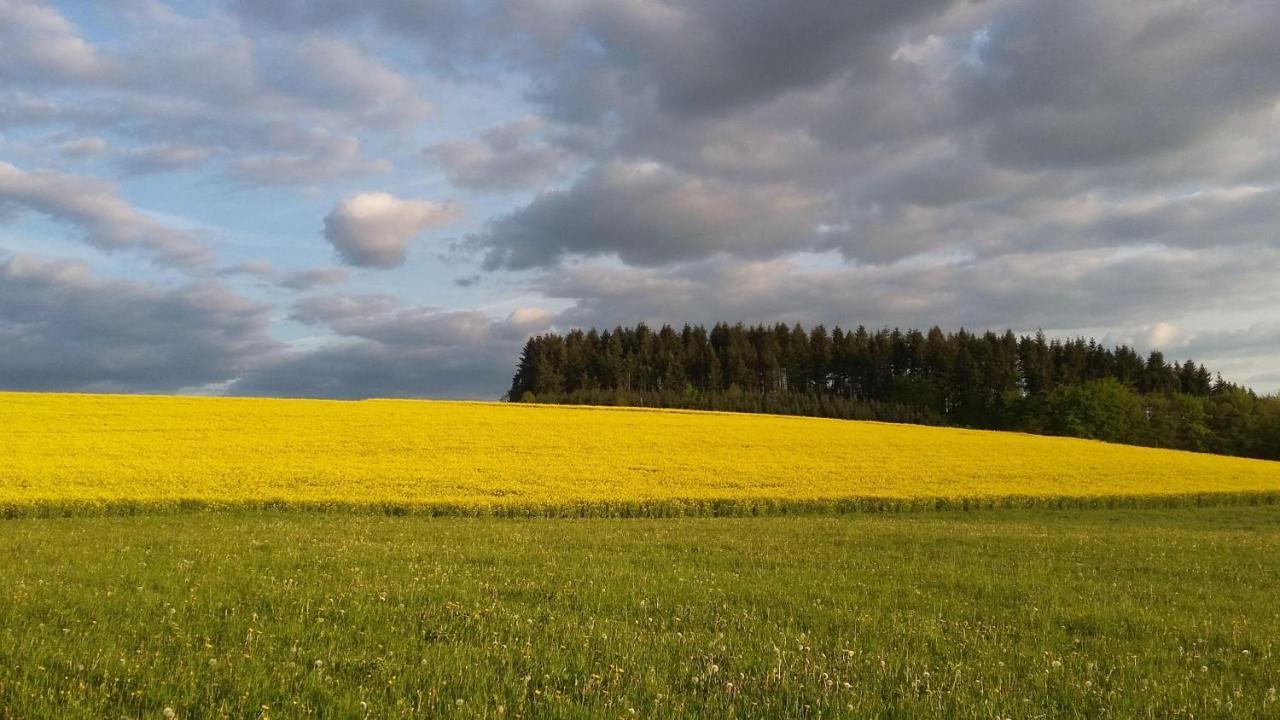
{"x":1072,"y":386}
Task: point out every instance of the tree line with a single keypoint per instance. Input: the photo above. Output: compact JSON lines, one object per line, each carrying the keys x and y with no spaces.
{"x":1074,"y":387}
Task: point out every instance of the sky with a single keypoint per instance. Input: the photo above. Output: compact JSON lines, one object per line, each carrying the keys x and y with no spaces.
{"x":357,"y":198}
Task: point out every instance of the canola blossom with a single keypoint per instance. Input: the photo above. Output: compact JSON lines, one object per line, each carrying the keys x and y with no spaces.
{"x":114,"y":453}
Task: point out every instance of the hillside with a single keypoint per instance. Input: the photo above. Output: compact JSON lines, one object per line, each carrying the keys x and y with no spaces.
{"x":93,"y":453}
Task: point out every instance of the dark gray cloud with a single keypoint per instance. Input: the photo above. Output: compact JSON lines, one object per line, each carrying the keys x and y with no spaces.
{"x":905,"y":128}
{"x":1100,"y":83}
{"x":384,"y":349}
{"x":713,"y":56}
{"x":62,"y":328}
{"x":648,"y":214}
{"x":356,"y":370}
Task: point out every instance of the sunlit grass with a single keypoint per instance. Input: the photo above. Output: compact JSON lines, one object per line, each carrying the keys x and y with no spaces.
{"x":1081,"y":613}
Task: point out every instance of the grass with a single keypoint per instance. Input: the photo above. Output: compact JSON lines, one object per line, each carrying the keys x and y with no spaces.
{"x":102,"y":454}
{"x":1016,"y":613}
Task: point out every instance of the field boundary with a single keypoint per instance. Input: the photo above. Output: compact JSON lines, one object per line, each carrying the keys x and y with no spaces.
{"x":674,"y":507}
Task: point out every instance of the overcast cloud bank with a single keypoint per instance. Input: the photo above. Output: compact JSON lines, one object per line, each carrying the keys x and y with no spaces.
{"x":175,"y":189}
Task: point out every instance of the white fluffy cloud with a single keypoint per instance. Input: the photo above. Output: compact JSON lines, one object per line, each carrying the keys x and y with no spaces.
{"x":374,"y":229}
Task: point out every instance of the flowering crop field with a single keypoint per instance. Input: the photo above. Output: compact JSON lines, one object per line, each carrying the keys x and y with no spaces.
{"x":65,"y":453}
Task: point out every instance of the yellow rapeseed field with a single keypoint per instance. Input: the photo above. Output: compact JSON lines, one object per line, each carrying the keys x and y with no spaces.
{"x":61,"y":452}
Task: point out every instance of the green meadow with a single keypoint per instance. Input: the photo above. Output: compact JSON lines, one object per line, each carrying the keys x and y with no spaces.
{"x":1080,"y":613}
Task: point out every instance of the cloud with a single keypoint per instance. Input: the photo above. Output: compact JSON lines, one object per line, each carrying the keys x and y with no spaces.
{"x":252,"y":268}
{"x":1244,"y":354}
{"x":374,"y":229}
{"x":39,"y":43}
{"x":310,"y":279}
{"x":283,"y":109}
{"x":65,"y":329}
{"x":501,"y":159}
{"x":909,"y":128}
{"x":220,"y":71}
{"x":648,"y":214}
{"x":334,"y":73}
{"x":385,"y":349}
{"x":1065,"y":291}
{"x":444,"y":32}
{"x":300,"y":280}
{"x":1101,"y":84}
{"x":1103,"y":167}
{"x":104,"y":219}
{"x":413,"y":17}
{"x":357,"y":370}
{"x":711,"y":57}
{"x":162,"y":158}
{"x":307,"y":157}
{"x":383,"y":319}
{"x":83,"y":147}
